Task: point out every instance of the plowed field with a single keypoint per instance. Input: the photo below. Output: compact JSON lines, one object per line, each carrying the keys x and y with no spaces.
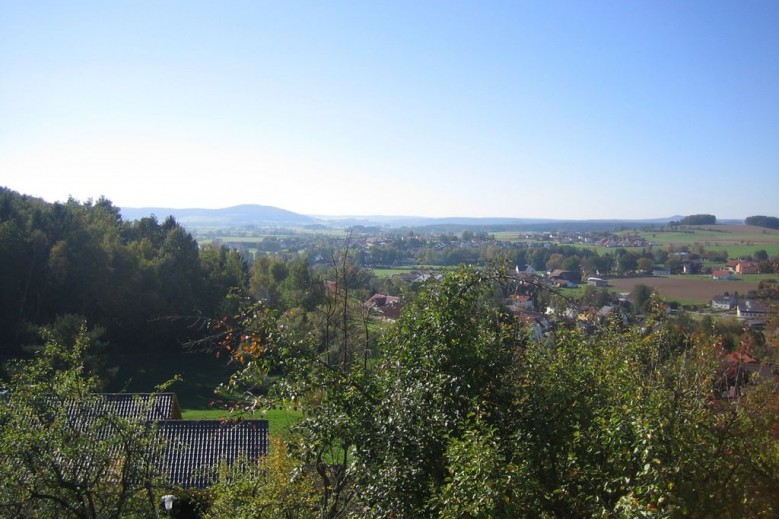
{"x":686,"y":288}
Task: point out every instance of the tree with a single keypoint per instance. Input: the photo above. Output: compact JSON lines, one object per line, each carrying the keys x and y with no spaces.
{"x":640,"y":297}
{"x":626,"y":261}
{"x":771,"y":222}
{"x":572,"y":263}
{"x":448,"y":360}
{"x":699,"y":219}
{"x":555,"y":261}
{"x":275,"y":486}
{"x":57,"y":459}
{"x":461,"y":415}
{"x":645,"y":264}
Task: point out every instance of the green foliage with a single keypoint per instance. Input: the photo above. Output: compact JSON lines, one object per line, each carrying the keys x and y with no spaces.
{"x":276,"y":486}
{"x":641,"y":297}
{"x":449,"y":357}
{"x":480,"y":483}
{"x":461,"y":415}
{"x":54,"y":461}
{"x":141,"y":281}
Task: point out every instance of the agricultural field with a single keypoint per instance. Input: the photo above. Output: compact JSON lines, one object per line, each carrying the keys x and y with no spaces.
{"x":688,"y":289}
{"x":737,"y":240}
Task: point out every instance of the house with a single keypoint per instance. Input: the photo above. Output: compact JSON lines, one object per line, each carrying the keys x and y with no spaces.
{"x":388,"y":307}
{"x":146,"y":407}
{"x":605,"y":312}
{"x":751,"y":309}
{"x":747,"y":267}
{"x":735,"y":371}
{"x":723,"y":302}
{"x":193,"y":449}
{"x":536,"y":321}
{"x":722,"y":274}
{"x":567,"y":275}
{"x":518,"y":302}
{"x":563,"y":283}
{"x":189,"y":451}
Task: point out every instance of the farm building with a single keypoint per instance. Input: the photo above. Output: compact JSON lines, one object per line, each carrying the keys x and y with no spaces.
{"x":597,"y":282}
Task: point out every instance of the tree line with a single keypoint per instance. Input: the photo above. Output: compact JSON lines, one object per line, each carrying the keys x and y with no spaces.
{"x":770,"y":222}
{"x":140,"y":285}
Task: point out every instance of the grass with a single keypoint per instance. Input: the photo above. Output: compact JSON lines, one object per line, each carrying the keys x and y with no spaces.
{"x":279,"y":420}
{"x":200,"y":374}
{"x":389,"y":272}
{"x":737,"y":240}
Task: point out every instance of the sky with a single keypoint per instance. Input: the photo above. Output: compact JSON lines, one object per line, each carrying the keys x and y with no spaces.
{"x":526,"y":109}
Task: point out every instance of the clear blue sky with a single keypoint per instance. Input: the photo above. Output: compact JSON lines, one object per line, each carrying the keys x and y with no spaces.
{"x":623,"y":109}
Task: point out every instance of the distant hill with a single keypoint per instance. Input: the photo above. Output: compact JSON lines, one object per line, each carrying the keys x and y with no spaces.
{"x":268,"y":216}
{"x":455,"y":224}
{"x":237,"y":216}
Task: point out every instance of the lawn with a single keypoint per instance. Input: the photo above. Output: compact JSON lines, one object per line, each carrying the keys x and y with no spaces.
{"x":200,"y":374}
{"x":389,"y":272}
{"x":279,"y":420}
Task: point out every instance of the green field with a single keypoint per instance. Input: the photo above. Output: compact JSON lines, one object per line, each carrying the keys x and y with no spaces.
{"x":737,"y":240}
{"x":279,"y":420}
{"x":386,"y":273}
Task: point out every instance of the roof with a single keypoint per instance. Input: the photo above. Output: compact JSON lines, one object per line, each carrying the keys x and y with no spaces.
{"x":381,"y":300}
{"x":191,"y":449}
{"x":194,"y":449}
{"x":138,"y":407}
{"x":144,"y":407}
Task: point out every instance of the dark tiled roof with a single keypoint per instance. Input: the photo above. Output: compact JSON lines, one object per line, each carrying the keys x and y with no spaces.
{"x":144,"y":407}
{"x":194,"y":449}
{"x":83,"y":413}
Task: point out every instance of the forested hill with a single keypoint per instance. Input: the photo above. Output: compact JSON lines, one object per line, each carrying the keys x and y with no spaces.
{"x":142,"y":282}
